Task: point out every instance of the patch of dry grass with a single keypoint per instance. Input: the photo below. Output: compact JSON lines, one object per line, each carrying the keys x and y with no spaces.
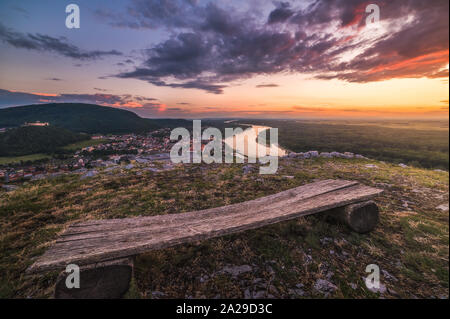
{"x":410,"y":244}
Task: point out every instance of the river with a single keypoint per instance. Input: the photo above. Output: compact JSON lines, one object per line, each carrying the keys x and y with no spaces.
{"x":252,"y":133}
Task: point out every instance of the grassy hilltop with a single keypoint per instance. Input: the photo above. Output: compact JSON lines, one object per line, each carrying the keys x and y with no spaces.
{"x":286,"y":260}
{"x":78,"y":117}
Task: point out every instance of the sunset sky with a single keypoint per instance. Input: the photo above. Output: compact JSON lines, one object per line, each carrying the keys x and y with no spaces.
{"x":252,"y":58}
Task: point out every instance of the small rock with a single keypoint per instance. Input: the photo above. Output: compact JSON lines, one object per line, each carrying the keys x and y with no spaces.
{"x":10,"y":188}
{"x":392,"y":292}
{"x":325,"y":155}
{"x":38,"y":177}
{"x":381,"y":289}
{"x":158,"y":294}
{"x":313,"y":154}
{"x":259,"y":294}
{"x":335,"y":154}
{"x":204,"y":278}
{"x":236,"y":270}
{"x":325,"y":241}
{"x":348,"y":155}
{"x":371,"y":166}
{"x":443,"y":207}
{"x":89,"y":174}
{"x":388,"y":276}
{"x":353,"y":285}
{"x":403,"y":165}
{"x":324,"y":287}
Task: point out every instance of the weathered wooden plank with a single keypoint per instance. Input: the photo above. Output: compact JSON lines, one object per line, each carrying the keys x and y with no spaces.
{"x":169,"y":222}
{"x":106,"y":227}
{"x":97,"y":241}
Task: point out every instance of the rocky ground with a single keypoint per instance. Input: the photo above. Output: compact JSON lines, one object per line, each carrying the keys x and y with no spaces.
{"x":310,"y":257}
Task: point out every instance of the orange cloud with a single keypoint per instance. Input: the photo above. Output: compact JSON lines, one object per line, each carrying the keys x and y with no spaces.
{"x":42,"y":94}
{"x":128,"y":104}
{"x":427,"y":59}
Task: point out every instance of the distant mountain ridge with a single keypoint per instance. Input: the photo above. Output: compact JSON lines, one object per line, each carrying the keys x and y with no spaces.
{"x":78,"y":117}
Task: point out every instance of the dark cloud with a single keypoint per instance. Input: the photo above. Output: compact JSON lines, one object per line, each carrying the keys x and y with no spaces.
{"x":211,"y":88}
{"x":54,"y":79}
{"x":151,"y":14}
{"x":268,"y":85}
{"x":281,"y":13}
{"x":11,"y":98}
{"x":209,"y":47}
{"x":41,"y":42}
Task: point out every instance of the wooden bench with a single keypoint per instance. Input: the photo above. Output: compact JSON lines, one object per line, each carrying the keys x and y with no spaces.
{"x":104,"y":249}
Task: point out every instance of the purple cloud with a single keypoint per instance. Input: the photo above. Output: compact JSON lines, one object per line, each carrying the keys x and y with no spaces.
{"x":210,"y":46}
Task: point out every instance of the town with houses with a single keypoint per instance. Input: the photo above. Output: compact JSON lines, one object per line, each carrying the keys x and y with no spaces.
{"x":150,"y":151}
{"x":113,"y":150}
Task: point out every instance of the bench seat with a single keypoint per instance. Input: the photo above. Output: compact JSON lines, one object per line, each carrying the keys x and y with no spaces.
{"x":98,"y":241}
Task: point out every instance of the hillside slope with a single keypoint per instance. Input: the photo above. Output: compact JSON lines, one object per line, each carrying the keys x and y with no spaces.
{"x":77,"y":117}
{"x":304,"y":258}
{"x":32,"y":139}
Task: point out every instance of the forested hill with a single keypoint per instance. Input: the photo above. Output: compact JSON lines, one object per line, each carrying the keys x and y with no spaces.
{"x":78,"y":117}
{"x":35,"y":139}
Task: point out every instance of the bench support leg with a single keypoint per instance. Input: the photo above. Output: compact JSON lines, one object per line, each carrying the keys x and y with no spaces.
{"x":106,"y":280}
{"x":360,"y":217}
